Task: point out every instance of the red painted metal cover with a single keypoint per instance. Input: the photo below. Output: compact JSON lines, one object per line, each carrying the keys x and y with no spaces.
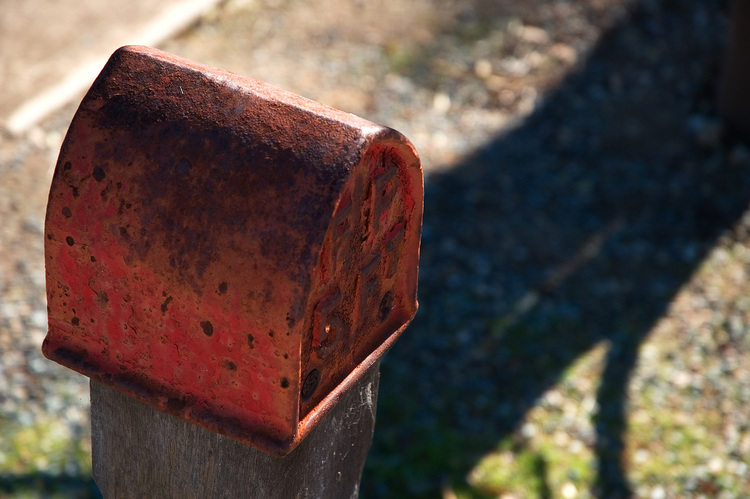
{"x":225,"y":251}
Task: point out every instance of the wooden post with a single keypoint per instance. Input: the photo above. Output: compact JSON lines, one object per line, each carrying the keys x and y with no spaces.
{"x":139,"y":452}
{"x":734,"y":93}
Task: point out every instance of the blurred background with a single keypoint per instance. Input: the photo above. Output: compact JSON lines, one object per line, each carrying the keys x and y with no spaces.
{"x":584,"y":305}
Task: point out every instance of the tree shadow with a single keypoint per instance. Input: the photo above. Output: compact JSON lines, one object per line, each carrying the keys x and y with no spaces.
{"x":576,"y":228}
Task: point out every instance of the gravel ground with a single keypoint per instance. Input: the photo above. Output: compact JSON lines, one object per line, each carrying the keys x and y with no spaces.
{"x":583,"y":282}
{"x":43,"y":407}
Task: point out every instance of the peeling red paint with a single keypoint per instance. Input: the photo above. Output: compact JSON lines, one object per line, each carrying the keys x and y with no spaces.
{"x":225,"y":251}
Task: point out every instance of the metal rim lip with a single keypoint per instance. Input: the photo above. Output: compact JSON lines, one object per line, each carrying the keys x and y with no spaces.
{"x":246,"y":435}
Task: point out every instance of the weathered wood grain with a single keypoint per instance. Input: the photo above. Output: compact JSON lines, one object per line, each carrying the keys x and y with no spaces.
{"x":139,"y":452}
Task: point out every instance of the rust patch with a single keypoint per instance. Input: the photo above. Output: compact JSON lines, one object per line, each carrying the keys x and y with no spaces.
{"x":231,"y":253}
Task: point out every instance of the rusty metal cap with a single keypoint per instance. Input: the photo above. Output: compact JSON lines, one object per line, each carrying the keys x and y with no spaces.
{"x":225,"y":251}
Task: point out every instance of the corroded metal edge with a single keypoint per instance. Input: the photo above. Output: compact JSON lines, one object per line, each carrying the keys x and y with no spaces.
{"x":378,"y":136}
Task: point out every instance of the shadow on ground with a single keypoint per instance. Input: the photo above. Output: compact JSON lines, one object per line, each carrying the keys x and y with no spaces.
{"x":48,"y":485}
{"x":576,"y":228}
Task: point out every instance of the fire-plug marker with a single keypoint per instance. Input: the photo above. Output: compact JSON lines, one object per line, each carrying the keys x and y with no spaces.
{"x":236,"y":256}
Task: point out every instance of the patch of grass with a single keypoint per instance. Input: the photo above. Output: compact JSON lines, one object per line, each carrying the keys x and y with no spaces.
{"x":434,"y":446}
{"x":44,"y":459}
{"x":45,"y":445}
{"x":552,"y":453}
{"x":521,"y":471}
